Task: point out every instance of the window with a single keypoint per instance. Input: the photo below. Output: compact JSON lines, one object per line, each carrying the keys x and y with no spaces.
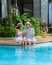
{"x":14,"y":3}
{"x":28,"y":8}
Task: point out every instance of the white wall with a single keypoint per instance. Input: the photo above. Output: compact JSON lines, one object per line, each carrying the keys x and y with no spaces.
{"x":44,"y":10}
{"x":41,"y":9}
{"x":50,"y":12}
{"x":4,"y":8}
{"x":36,"y":8}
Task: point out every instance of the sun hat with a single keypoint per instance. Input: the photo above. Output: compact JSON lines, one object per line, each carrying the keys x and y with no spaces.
{"x":18,"y":25}
{"x":27,"y":23}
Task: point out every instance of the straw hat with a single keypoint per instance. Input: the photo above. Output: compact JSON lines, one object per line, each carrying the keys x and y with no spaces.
{"x":27,"y":23}
{"x":18,"y":25}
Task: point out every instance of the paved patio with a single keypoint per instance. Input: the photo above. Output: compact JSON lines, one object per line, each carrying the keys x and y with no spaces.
{"x":11,"y":41}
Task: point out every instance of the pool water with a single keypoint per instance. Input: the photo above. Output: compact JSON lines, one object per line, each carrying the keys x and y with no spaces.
{"x":29,"y":55}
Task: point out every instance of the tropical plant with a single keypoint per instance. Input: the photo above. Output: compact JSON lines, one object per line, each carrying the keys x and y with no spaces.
{"x":36,"y":25}
{"x":0,"y":20}
{"x":6,"y":30}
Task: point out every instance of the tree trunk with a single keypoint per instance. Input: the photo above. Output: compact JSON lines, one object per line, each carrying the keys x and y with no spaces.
{"x":9,"y":11}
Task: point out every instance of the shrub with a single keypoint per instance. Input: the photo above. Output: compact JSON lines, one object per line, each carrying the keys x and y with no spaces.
{"x":6,"y":31}
{"x":35,"y":22}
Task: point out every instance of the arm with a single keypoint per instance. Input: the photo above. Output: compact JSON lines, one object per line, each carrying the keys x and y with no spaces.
{"x":17,"y":33}
{"x":26,"y":32}
{"x":32,"y":32}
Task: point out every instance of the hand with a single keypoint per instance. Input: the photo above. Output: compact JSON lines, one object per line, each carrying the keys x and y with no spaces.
{"x":24,"y":33}
{"x":30,"y":34}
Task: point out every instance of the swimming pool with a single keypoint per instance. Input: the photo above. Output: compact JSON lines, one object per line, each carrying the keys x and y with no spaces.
{"x":40,"y":54}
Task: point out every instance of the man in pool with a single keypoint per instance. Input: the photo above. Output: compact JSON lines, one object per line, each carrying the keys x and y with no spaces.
{"x":30,"y":34}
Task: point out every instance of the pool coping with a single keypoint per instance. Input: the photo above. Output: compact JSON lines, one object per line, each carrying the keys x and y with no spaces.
{"x":11,"y":41}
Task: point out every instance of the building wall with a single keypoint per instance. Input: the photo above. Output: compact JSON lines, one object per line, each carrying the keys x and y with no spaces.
{"x":27,"y":0}
{"x":44,"y":10}
{"x":4,"y":8}
{"x":40,"y":8}
{"x":0,"y":9}
{"x":37,"y":8}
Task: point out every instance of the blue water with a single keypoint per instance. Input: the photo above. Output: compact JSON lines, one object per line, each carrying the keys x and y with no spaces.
{"x":18,"y":55}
